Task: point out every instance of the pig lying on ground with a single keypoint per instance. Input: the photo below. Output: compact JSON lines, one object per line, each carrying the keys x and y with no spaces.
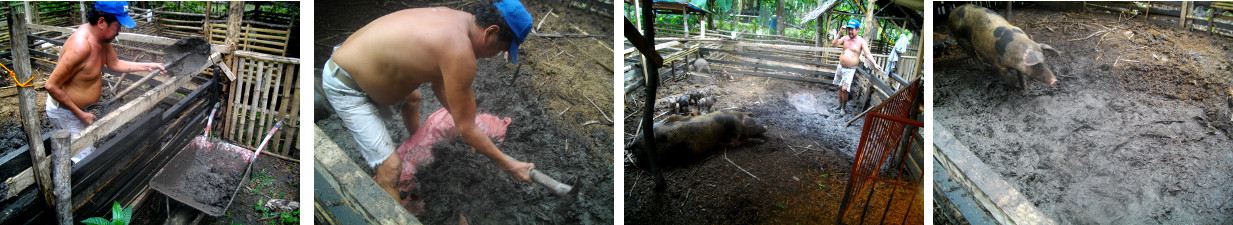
{"x":988,"y":38}
{"x":681,"y":139}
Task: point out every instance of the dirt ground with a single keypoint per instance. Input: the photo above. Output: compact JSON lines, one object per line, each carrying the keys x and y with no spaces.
{"x":801,"y":169}
{"x":1136,"y":131}
{"x":561,"y":86}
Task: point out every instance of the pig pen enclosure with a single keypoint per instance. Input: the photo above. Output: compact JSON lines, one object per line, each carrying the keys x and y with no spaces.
{"x":801,"y":173}
{"x":136,"y":135}
{"x":560,"y":104}
{"x":1137,"y":130}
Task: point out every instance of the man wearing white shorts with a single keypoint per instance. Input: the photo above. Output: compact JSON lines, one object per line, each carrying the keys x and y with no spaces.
{"x":853,"y":47}
{"x":384,"y":63}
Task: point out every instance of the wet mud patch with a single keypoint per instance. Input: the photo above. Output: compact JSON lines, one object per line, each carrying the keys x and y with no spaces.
{"x":1134,"y":132}
{"x":801,"y":169}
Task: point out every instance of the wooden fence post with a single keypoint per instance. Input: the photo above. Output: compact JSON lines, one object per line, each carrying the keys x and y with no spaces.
{"x":205,"y":24}
{"x":29,"y":102}
{"x":82,"y":7}
{"x":61,"y":152}
{"x":235,"y":15}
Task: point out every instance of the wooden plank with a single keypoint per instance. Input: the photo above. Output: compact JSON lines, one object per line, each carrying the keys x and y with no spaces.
{"x":284,"y":103}
{"x":190,"y":28}
{"x":111,"y":122}
{"x":180,"y":21}
{"x":267,"y":120}
{"x":258,"y":87}
{"x":267,"y":57}
{"x":1006,"y":204}
{"x":780,"y":58}
{"x":777,"y":76}
{"x":18,"y":183}
{"x":359,"y":190}
{"x":241,"y":98}
{"x":780,"y":68}
{"x":883,"y":90}
{"x":148,"y":39}
{"x":237,"y":87}
{"x":292,"y":138}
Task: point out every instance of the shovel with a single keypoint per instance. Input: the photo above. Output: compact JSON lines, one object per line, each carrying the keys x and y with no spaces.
{"x":558,"y":188}
{"x":177,"y":60}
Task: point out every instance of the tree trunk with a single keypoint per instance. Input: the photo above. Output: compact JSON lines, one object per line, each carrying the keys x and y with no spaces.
{"x":779,"y":18}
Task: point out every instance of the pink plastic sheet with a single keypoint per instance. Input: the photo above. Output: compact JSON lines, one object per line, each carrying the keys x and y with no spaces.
{"x":416,"y":152}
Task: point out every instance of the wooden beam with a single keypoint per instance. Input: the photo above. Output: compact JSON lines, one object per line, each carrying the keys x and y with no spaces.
{"x":779,"y":68}
{"x":28,"y":105}
{"x":104,"y":126}
{"x":63,"y":183}
{"x":1005,"y":203}
{"x":779,"y":58}
{"x":149,"y":39}
{"x":356,"y":188}
{"x":795,"y":78}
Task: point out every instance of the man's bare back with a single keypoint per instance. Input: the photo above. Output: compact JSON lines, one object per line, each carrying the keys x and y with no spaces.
{"x":392,"y":56}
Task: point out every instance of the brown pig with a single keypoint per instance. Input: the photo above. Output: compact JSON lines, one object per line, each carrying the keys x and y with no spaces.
{"x":681,"y":139}
{"x":989,"y":38}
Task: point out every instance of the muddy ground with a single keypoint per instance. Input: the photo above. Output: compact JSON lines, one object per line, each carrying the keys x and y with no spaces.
{"x":561,"y":86}
{"x":801,"y":169}
{"x":1136,"y":131}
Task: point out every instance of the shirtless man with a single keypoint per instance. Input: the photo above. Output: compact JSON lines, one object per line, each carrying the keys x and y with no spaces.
{"x":387,"y":60}
{"x":76,"y":80}
{"x":853,"y":47}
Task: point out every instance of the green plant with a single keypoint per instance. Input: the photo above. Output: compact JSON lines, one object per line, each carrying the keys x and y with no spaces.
{"x":285,"y":217}
{"x":119,"y":216}
{"x":781,"y":205}
{"x":292,"y":217}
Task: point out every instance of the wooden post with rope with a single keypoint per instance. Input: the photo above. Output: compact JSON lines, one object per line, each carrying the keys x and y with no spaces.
{"x":28,"y":105}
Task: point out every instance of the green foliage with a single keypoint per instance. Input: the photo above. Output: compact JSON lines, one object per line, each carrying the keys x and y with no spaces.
{"x":724,"y":16}
{"x":283,"y":217}
{"x":260,"y":181}
{"x":119,"y":216}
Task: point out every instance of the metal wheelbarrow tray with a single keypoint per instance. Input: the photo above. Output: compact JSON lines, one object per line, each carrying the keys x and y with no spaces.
{"x":208,"y":173}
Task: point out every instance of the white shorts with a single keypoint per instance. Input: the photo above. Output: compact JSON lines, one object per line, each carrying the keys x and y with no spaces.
{"x":64,"y":119}
{"x":843,"y":76}
{"x":359,"y":115}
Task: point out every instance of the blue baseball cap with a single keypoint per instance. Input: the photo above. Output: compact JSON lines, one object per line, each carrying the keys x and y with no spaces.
{"x":518,"y":20}
{"x":119,"y":9}
{"x":853,"y":23}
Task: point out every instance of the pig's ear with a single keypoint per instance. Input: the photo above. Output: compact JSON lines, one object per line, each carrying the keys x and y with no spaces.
{"x":1048,"y":48}
{"x":1031,"y":58}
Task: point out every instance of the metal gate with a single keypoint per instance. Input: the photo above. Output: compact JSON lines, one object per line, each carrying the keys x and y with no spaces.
{"x":886,"y":125}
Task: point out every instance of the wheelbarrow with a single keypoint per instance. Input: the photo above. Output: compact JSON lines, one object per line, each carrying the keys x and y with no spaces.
{"x":208,"y":172}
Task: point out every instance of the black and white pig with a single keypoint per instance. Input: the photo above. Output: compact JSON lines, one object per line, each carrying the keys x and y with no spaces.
{"x":989,"y":38}
{"x":683,"y":139}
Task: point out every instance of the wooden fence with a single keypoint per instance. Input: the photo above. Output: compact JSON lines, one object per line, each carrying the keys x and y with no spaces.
{"x":255,"y":38}
{"x":266,"y":89}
